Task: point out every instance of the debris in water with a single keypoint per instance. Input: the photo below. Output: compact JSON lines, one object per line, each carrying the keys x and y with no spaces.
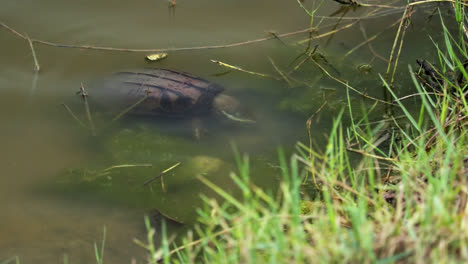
{"x":156,"y":56}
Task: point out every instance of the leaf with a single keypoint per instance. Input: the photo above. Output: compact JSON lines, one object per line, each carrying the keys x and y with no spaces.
{"x":156,"y":56}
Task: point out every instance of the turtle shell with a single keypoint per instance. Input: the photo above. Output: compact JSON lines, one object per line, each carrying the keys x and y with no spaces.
{"x":159,"y":92}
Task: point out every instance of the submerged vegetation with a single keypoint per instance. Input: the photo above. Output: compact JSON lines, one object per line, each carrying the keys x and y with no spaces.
{"x":406,"y":200}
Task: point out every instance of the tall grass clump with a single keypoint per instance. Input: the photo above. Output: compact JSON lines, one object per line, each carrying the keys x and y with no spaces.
{"x":405,"y":199}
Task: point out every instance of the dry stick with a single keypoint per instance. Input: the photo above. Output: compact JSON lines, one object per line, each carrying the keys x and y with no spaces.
{"x":13,"y":30}
{"x":394,"y":44}
{"x":161,"y":174}
{"x":242,"y":70}
{"x":84,"y":95}
{"x":401,"y":46}
{"x":170,"y":49}
{"x":149,"y":50}
{"x":117,"y":117}
{"x":213,"y":46}
{"x":74,"y":116}
{"x":36,"y":63}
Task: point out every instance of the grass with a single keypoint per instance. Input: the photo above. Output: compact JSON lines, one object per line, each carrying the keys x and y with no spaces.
{"x":406,"y":200}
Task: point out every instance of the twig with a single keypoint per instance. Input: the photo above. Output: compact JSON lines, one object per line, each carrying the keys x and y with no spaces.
{"x":36,"y":63}
{"x":91,"y":47}
{"x":13,"y":30}
{"x":61,"y":45}
{"x":405,"y":20}
{"x":242,"y":70}
{"x":128,"y":109}
{"x":74,"y":116}
{"x":402,"y":20}
{"x":84,"y":95}
{"x":161,"y":174}
{"x":126,"y":166}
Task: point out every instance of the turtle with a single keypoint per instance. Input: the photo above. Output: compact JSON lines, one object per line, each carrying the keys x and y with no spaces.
{"x":164,"y":93}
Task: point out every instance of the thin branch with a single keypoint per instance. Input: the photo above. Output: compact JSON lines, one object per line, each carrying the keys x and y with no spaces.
{"x":237,"y":68}
{"x":74,"y":116}
{"x":36,"y":63}
{"x":126,"y":166}
{"x":84,"y":95}
{"x":91,"y":47}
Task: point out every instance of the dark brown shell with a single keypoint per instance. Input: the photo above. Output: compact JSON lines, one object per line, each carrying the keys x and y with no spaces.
{"x":169,"y":93}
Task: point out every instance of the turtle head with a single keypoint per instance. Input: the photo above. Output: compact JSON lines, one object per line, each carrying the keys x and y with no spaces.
{"x":226,"y":103}
{"x":228,"y":106}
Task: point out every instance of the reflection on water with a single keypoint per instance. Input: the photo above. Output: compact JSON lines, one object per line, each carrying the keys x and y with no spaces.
{"x":54,"y":191}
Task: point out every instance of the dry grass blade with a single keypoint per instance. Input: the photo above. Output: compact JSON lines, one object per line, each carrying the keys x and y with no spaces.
{"x":126,"y":166}
{"x":397,"y":37}
{"x":242,"y":70}
{"x":128,"y":109}
{"x":161,"y":174}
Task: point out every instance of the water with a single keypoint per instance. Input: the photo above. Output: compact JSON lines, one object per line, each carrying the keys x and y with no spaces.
{"x":54,"y":194}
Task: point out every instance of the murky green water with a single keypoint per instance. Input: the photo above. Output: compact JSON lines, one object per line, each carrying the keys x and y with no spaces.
{"x":54,"y":193}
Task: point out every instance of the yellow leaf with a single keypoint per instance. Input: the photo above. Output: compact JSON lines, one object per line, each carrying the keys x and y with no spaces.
{"x":156,"y":56}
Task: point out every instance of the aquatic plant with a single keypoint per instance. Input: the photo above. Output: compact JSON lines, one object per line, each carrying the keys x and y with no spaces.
{"x":405,"y":200}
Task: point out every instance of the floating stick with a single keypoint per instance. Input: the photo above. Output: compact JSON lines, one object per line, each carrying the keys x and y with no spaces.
{"x":242,"y":70}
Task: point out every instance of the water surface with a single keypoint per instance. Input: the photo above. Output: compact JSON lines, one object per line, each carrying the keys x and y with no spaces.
{"x":54,"y":196}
